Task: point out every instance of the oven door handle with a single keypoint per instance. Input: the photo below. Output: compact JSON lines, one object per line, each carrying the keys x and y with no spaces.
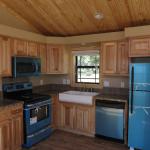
{"x":31,"y":106}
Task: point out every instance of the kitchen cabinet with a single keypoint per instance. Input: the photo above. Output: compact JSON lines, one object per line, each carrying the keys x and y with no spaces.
{"x":56,"y":59}
{"x":32,"y":49}
{"x":77,"y":118}
{"x":109,"y":57}
{"x":5,"y":56}
{"x":54,"y":110}
{"x":122,"y":58}
{"x":42,"y":53}
{"x":67,"y":112}
{"x":20,"y":47}
{"x":115,"y":59}
{"x":17,"y":131}
{"x":11,"y":127}
{"x":139,"y":47}
{"x":5,"y":135}
{"x":84,"y":120}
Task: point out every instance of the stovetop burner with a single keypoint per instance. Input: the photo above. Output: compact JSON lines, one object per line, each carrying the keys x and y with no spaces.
{"x":23,"y":92}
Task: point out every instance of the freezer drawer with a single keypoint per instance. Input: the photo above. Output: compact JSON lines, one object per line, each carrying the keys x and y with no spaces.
{"x":110,"y":122}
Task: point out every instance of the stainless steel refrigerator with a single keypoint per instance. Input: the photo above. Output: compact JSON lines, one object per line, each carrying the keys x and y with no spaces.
{"x":139,"y":105}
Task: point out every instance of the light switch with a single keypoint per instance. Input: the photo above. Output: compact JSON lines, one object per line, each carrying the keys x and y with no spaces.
{"x":122,"y":84}
{"x":106,"y":83}
{"x":41,"y":82}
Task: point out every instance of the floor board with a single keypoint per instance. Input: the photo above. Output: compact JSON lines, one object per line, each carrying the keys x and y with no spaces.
{"x":61,"y":140}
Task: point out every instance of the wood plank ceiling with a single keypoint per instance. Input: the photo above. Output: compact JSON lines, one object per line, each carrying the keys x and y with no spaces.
{"x":76,"y":17}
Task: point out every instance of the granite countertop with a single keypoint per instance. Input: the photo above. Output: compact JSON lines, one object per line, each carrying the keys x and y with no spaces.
{"x":7,"y":102}
{"x":112,"y":97}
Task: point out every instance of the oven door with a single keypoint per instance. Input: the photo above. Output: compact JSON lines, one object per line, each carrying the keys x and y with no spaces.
{"x":26,"y":66}
{"x":37,"y":116}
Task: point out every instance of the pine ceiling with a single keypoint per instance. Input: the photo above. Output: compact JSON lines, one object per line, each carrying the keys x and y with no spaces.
{"x":76,"y":17}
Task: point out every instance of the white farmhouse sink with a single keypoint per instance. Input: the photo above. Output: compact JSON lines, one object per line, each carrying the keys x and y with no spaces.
{"x":77,"y":97}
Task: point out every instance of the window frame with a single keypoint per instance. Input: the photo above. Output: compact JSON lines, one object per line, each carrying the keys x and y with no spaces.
{"x":76,"y":73}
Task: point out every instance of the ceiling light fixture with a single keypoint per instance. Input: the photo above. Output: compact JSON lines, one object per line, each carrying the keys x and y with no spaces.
{"x":98,"y":15}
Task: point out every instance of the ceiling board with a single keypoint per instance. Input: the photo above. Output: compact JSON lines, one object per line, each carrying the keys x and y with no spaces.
{"x":76,"y":17}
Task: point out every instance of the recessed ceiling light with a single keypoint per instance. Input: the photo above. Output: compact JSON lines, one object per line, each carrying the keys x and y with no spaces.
{"x":98,"y":15}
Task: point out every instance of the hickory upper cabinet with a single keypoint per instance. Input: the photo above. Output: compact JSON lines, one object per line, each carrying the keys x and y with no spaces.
{"x":56,"y":59}
{"x":32,"y":49}
{"x":139,"y":47}
{"x":115,"y":58}
{"x":5,"y":56}
{"x":109,"y":57}
{"x":20,"y":47}
{"x":42,"y":53}
{"x":123,"y":58}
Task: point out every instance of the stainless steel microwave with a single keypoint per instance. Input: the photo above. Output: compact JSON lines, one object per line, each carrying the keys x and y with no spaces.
{"x":26,"y":66}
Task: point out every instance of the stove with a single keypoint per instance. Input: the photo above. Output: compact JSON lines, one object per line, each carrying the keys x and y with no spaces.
{"x":37,"y":111}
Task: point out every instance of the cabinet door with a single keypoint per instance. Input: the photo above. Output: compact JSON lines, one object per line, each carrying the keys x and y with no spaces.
{"x":85,"y":119}
{"x":17,"y":132}
{"x":123,"y":60}
{"x":139,"y":47}
{"x":55,"y":111}
{"x":67,"y":112}
{"x":20,"y":47}
{"x":5,"y":56}
{"x":55,"y":59}
{"x":43,"y":56}
{"x":5,"y":135}
{"x":109,"y":54}
{"x":32,"y":49}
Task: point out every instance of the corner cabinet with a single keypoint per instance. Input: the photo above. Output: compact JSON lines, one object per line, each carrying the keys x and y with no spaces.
{"x":11,"y":127}
{"x":5,"y":56}
{"x":77,"y":118}
{"x":115,"y":59}
{"x":140,"y":47}
{"x":56,"y":59}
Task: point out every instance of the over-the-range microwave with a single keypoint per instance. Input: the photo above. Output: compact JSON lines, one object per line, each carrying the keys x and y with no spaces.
{"x":26,"y":66}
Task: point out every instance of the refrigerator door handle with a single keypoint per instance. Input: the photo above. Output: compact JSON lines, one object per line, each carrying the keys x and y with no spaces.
{"x":132,"y":88}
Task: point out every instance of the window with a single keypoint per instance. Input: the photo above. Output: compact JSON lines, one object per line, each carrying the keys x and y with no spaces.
{"x":87,"y":68}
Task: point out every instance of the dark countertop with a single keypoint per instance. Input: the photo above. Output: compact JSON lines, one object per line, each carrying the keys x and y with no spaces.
{"x":7,"y":102}
{"x":112,"y":97}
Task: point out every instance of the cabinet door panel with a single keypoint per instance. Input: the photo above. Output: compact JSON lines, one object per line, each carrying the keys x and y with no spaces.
{"x":20,"y":47}
{"x":5,"y":135}
{"x":17,"y":132}
{"x":140,"y":47}
{"x":55,"y":59}
{"x":109,"y":53}
{"x":43,"y":56}
{"x":32,"y":49}
{"x":85,"y":119}
{"x":67,"y":113}
{"x":5,"y":56}
{"x":123,"y":60}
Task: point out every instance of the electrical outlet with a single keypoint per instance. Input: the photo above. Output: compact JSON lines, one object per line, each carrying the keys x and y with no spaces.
{"x":41,"y":82}
{"x":64,"y":81}
{"x":122,"y":84}
{"x":106,"y":84}
{"x":68,"y":81}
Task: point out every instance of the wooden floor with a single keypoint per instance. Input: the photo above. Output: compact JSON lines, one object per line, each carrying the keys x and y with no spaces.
{"x":61,"y":140}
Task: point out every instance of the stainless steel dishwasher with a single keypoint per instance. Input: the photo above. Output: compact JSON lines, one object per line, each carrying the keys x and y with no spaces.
{"x":110,"y":119}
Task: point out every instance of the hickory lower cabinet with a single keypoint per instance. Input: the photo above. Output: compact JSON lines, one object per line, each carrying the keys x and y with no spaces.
{"x":11,"y":127}
{"x":77,"y":118}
